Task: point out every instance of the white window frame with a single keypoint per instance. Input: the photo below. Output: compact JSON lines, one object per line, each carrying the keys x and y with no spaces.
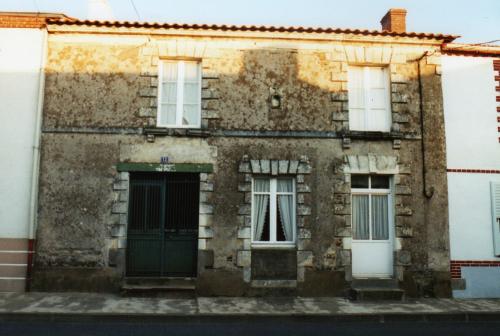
{"x":273,"y":208}
{"x":368,"y":127}
{"x":180,"y":94}
{"x":370,"y":192}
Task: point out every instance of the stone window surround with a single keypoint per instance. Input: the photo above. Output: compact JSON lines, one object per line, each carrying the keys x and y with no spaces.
{"x":117,"y":240}
{"x":152,"y":54}
{"x":389,"y":57}
{"x":301,"y":169}
{"x":372,"y":164}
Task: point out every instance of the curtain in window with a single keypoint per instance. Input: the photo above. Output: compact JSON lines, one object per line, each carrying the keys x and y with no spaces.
{"x":260,"y":207}
{"x":360,"y":217}
{"x":191,"y":93}
{"x":380,"y":217}
{"x":169,"y":94}
{"x":285,"y":205}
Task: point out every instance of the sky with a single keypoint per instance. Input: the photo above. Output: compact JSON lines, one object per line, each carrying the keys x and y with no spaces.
{"x":477,"y":21}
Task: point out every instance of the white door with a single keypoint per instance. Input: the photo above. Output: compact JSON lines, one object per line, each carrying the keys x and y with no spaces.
{"x":372,"y":226}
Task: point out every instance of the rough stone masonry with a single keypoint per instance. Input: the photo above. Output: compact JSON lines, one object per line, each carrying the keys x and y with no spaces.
{"x":274,"y":104}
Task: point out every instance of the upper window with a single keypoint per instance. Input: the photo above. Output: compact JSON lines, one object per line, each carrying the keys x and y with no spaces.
{"x":371,"y":212}
{"x":369,"y":99}
{"x":273,"y":211}
{"x":179,"y":94}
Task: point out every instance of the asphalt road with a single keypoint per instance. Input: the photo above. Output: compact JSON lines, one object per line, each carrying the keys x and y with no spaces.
{"x":244,"y":326}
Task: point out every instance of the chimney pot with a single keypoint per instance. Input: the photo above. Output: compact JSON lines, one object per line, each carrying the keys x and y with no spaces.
{"x":394,"y":20}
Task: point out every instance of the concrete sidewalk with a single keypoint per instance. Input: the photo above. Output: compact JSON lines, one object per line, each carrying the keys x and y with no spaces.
{"x":88,"y":305}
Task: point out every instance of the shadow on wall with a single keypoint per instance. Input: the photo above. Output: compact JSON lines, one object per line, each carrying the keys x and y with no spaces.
{"x":260,"y":89}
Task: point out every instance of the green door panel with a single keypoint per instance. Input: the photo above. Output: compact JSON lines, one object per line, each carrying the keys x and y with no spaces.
{"x":163,"y":217}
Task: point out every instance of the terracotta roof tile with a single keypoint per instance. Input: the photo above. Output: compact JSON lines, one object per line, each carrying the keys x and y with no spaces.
{"x":290,"y":29}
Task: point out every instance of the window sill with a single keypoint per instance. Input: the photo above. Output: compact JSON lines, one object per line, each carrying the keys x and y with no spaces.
{"x":271,"y":246}
{"x":185,"y":131}
{"x":372,"y":135}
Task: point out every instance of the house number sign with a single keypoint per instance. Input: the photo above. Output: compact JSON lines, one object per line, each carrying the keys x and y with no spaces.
{"x":165,"y":165}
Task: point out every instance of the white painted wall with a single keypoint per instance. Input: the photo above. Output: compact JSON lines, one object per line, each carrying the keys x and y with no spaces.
{"x":469,"y":98}
{"x":470,"y":216}
{"x":20,"y":62}
{"x":470,"y":112}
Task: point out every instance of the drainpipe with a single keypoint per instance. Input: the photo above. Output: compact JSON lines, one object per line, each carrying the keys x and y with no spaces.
{"x":427,"y":192}
{"x":36,"y":162}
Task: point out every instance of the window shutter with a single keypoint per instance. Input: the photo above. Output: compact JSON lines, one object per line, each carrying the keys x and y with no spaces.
{"x":495,"y":206}
{"x":357,"y":104}
{"x":378,"y":113}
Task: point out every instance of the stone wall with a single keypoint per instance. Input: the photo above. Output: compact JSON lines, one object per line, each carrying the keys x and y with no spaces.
{"x":269,"y":106}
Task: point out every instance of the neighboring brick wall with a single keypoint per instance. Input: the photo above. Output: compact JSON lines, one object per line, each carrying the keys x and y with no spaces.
{"x":456,"y":266}
{"x":496,"y":69}
{"x":22,"y":21}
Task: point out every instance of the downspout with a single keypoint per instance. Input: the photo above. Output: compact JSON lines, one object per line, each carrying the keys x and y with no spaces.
{"x":36,"y":162}
{"x":427,"y":193}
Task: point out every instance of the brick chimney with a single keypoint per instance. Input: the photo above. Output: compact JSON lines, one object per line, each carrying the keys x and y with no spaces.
{"x":394,"y":20}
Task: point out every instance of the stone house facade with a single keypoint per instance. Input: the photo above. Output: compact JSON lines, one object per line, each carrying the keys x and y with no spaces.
{"x":245,"y":160}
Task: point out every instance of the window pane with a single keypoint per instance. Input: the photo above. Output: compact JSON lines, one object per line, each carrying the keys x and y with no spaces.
{"x":260,"y":218}
{"x":191,"y":72}
{"x":170,"y":71}
{"x":360,"y":223}
{"x":261,"y":185}
{"x":190,"y":115}
{"x":285,"y":185}
{"x":380,"y":181}
{"x":191,"y":93}
{"x":285,"y":218}
{"x":380,"y":217}
{"x":359,"y":181}
{"x":167,"y":115}
{"x":169,"y":93}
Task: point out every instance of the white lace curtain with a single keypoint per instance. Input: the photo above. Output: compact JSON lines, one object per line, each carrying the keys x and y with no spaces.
{"x":285,"y":205}
{"x":379,"y":217}
{"x":169,"y":93}
{"x":360,"y":219}
{"x":260,"y":207}
{"x":188,"y":73}
{"x":191,"y":94}
{"x":280,"y":193}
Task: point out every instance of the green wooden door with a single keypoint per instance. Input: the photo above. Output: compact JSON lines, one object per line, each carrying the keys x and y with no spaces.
{"x":163,"y":224}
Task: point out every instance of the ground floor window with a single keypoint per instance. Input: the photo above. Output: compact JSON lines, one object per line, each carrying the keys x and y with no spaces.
{"x":370,"y":207}
{"x":273,"y":211}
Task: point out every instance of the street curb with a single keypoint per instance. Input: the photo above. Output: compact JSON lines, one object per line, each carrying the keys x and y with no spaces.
{"x":203,"y":318}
